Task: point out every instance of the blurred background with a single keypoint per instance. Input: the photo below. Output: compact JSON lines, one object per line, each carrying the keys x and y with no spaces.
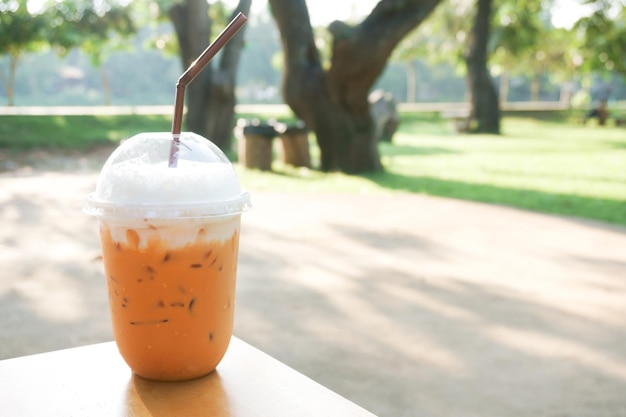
{"x":568,"y":51}
{"x":439,"y":186}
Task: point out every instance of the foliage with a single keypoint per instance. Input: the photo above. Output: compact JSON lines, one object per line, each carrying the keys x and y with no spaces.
{"x":62,"y":25}
{"x":89,"y":25}
{"x":604,"y":36}
{"x":441,"y":37}
{"x":41,"y":81}
{"x":20,"y":31}
{"x":524,"y":41}
{"x":517,"y":28}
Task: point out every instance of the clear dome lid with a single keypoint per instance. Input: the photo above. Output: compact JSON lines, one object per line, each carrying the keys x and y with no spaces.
{"x":136,"y":180}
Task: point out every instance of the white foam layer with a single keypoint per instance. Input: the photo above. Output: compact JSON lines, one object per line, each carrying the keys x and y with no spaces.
{"x":136,"y":180}
{"x":133,"y":182}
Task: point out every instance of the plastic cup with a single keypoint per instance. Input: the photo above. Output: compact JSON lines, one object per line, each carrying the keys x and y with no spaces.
{"x":170,"y":240}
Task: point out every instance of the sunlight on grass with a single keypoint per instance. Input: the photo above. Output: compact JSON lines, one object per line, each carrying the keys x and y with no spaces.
{"x":73,"y":132}
{"x":547,"y":157}
{"x":539,"y":165}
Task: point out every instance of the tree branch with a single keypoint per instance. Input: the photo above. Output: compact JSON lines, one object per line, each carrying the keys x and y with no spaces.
{"x":361,"y":53}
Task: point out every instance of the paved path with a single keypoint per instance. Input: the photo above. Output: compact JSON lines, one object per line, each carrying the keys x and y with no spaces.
{"x":408,"y":305}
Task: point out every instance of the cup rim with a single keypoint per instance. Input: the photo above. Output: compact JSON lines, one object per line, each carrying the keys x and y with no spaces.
{"x":102,"y":208}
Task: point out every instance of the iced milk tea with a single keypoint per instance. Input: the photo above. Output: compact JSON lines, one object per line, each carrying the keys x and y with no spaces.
{"x":170,"y":238}
{"x":172,"y":293}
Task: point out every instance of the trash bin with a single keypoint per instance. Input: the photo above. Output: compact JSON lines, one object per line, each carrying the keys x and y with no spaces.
{"x":255,"y":144}
{"x":295,"y":144}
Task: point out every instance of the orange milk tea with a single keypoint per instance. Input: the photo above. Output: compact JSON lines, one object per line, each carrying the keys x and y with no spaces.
{"x":170,"y":239}
{"x":172,"y":294}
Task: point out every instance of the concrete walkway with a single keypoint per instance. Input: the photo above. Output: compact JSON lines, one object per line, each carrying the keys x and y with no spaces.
{"x":405,"y":304}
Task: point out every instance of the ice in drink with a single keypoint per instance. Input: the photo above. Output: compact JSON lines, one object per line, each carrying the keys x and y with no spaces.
{"x":170,"y":239}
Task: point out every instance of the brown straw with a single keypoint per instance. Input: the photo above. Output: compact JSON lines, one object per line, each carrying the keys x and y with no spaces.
{"x":191,"y":73}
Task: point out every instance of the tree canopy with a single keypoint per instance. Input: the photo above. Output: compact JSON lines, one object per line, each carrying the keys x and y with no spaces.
{"x":603,"y":35}
{"x":60,"y":25}
{"x":552,"y":56}
{"x":20,"y":31}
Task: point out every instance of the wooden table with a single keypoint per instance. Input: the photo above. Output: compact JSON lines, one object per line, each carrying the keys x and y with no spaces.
{"x":94,"y":381}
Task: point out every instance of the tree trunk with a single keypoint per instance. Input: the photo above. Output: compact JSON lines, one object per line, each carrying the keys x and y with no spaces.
{"x":193,"y":28}
{"x":211,"y":95}
{"x":484,"y":106}
{"x":333,"y":103}
{"x":221,"y":120}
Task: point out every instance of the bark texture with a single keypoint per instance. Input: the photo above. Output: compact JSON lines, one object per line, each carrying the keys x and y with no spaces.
{"x":221,"y":120}
{"x":484,"y":105}
{"x":333,"y":102}
{"x":210,"y":97}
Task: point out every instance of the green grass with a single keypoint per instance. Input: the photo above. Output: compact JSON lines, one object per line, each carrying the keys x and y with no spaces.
{"x":18,"y":133}
{"x":549,"y":165}
{"x":537,"y":165}
{"x":544,"y":166}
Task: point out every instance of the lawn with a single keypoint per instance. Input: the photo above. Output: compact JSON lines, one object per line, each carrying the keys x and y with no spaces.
{"x":541,"y":165}
{"x":19,"y":133}
{"x":538,"y":165}
{"x":548,"y":165}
